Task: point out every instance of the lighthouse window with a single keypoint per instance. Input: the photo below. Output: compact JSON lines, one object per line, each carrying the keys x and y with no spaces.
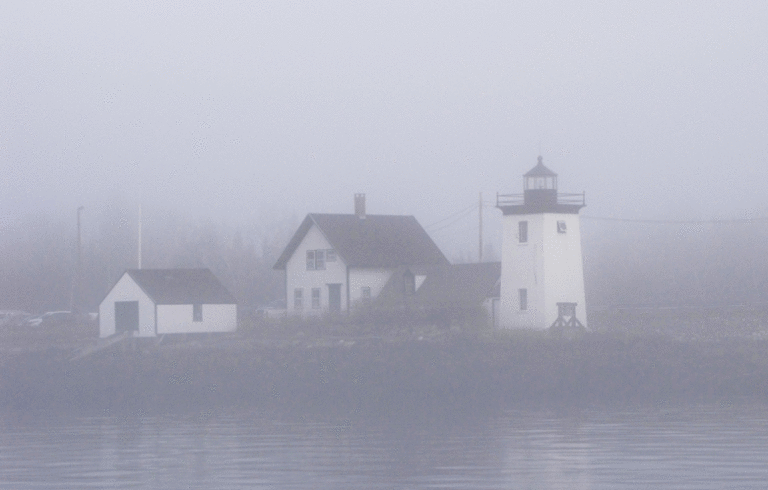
{"x":523,"y":299}
{"x":561,"y":228}
{"x":522,"y":228}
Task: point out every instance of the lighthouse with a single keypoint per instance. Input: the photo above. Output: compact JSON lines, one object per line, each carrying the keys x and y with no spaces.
{"x":542,"y":273}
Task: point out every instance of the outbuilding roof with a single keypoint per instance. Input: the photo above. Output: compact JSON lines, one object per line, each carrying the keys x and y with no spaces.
{"x":372,"y":241}
{"x":445,"y":286}
{"x":181,"y":286}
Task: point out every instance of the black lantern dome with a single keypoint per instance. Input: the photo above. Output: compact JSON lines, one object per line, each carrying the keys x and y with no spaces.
{"x":540,"y":185}
{"x":540,"y":195}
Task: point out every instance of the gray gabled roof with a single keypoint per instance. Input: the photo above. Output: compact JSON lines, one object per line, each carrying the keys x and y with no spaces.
{"x":181,"y":286}
{"x":540,"y":170}
{"x":445,"y":286}
{"x":373,"y":241}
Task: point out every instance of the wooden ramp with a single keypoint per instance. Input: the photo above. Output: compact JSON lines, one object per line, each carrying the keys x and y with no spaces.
{"x":100,"y":345}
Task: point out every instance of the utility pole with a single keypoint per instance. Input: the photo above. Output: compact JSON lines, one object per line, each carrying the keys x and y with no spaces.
{"x":74,"y":297}
{"x":139,"y":231}
{"x":480,"y":244}
{"x":79,"y":246}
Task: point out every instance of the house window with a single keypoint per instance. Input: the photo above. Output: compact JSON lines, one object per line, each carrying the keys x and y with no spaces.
{"x":522,"y":229}
{"x":197,"y":313}
{"x":310,"y":260}
{"x":523,"y":299}
{"x":365,"y":294}
{"x":330,"y":255}
{"x":315,"y":298}
{"x":298,"y":298}
{"x":561,"y":227}
{"x":316,"y":260}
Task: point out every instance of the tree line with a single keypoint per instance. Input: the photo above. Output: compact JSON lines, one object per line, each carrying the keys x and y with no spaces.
{"x":673,"y":264}
{"x":39,"y":267}
{"x":625,"y":264}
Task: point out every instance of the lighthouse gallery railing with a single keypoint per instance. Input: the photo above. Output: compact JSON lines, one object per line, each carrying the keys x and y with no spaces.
{"x":519,"y":199}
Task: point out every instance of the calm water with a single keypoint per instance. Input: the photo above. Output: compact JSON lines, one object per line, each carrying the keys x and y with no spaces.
{"x":696,"y":448}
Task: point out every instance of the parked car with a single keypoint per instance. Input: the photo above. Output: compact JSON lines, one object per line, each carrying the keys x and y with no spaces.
{"x":275,"y":309}
{"x":52,"y":319}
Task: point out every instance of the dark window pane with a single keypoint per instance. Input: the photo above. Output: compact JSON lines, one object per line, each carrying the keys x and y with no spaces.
{"x":310,"y":260}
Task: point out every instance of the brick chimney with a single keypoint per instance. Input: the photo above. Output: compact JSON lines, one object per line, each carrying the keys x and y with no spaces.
{"x":360,"y":206}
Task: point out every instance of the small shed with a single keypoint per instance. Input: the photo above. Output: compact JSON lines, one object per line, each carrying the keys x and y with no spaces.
{"x":152,"y":302}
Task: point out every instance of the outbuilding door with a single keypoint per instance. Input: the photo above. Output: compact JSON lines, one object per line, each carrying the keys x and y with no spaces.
{"x":334,"y":298}
{"x":126,"y":316}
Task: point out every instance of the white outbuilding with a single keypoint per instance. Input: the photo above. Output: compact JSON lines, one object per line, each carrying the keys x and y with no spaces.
{"x":152,"y":302}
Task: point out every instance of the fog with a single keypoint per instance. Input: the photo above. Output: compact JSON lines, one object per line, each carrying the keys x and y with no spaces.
{"x":249,"y":114}
{"x":222,"y":124}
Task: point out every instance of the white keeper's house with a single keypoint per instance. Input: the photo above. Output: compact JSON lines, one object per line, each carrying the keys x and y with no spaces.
{"x":335,"y":261}
{"x":542,"y":276}
{"x":152,"y":302}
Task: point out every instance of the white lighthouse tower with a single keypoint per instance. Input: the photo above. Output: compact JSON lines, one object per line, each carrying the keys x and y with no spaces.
{"x":542,"y":273}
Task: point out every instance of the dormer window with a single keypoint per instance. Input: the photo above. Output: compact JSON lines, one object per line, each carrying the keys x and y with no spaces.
{"x":409,"y":283}
{"x":365,"y":294}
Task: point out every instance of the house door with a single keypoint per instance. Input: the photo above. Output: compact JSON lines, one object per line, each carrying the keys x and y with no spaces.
{"x":126,"y":316}
{"x":334,"y":298}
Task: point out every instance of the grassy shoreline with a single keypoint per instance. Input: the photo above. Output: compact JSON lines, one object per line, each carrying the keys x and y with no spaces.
{"x":439,"y":372}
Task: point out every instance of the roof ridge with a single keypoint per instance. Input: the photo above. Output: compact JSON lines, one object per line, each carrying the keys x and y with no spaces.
{"x":374,"y":241}
{"x":366,"y":216}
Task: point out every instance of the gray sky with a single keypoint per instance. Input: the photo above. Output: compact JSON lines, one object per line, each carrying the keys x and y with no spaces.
{"x":252,"y":110}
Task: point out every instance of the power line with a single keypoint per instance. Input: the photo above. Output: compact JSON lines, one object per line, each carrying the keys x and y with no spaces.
{"x":677,"y":222}
{"x":468,"y":208}
{"x":459,"y":218}
{"x":461,"y":214}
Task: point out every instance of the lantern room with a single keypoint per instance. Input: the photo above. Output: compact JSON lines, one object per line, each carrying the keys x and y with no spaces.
{"x":540,"y":185}
{"x":540,"y":177}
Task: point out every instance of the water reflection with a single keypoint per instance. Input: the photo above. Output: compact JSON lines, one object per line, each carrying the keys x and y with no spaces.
{"x":698,"y":447}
